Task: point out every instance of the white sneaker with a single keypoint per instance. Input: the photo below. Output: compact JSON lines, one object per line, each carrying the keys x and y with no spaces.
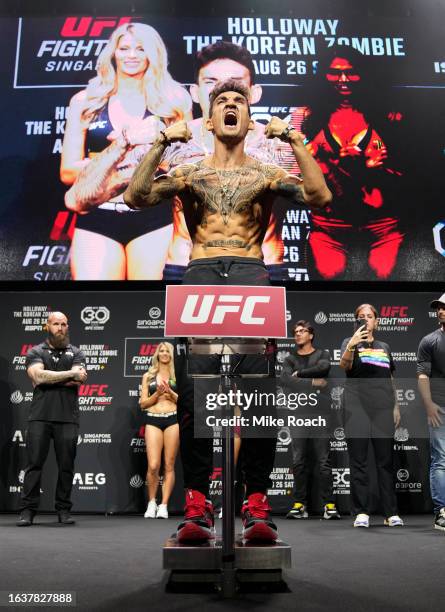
{"x":361,"y":520}
{"x":220,"y":513}
{"x":162,"y":511}
{"x":393,"y":521}
{"x":151,"y":509}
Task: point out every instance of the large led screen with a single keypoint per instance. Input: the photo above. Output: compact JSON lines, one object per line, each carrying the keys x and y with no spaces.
{"x":367,"y":94}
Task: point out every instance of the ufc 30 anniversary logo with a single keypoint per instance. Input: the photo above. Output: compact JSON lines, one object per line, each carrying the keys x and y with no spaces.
{"x":95,"y":317}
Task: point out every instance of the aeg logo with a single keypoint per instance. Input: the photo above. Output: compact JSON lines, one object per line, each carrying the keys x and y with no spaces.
{"x":90,"y":390}
{"x":76,"y":27}
{"x":220,"y":307}
{"x":18,"y":437}
{"x":89,"y":478}
{"x":394,"y":311}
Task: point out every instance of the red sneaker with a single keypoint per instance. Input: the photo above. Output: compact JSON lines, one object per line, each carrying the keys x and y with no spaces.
{"x":198,"y":522}
{"x":255,"y":517}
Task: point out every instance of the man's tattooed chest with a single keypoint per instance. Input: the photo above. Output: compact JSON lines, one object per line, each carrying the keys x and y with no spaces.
{"x":227,"y":192}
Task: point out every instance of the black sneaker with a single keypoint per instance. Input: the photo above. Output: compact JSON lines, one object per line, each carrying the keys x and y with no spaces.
{"x":439,"y":522}
{"x":65,"y":517}
{"x":298,"y":511}
{"x":331,"y":512}
{"x":26,"y":518}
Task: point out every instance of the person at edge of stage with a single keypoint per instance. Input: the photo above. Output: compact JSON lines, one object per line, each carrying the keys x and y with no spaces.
{"x":56,"y":369}
{"x":158,"y":401}
{"x":306,"y":370}
{"x":371,"y":415}
{"x":227,"y":199}
{"x":431,"y":375}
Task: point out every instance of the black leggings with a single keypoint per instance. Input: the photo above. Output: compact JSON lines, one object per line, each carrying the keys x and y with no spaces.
{"x":197,"y":453}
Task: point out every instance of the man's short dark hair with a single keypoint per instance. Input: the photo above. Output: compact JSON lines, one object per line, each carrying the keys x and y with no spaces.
{"x":307,"y":325}
{"x":230,"y":85}
{"x":223,"y":49}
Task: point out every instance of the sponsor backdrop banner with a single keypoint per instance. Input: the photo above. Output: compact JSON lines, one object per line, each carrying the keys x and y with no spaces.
{"x":377,"y":173}
{"x":119,"y":332}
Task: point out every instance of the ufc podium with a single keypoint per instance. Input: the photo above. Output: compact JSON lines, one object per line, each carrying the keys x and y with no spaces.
{"x":233,"y":323}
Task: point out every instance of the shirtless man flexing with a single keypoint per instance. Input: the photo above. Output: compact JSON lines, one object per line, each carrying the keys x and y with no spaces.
{"x":227,"y":199}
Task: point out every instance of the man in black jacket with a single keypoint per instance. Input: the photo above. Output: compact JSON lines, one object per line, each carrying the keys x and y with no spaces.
{"x":305,"y":371}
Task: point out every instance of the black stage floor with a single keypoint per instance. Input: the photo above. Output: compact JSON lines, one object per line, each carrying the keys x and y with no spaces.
{"x":115,"y":563}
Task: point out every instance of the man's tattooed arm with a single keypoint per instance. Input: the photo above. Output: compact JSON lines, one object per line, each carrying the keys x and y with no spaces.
{"x":294,"y":189}
{"x":314,"y":189}
{"x":139,"y":191}
{"x":289,"y":187}
{"x":99,"y":180}
{"x":40,"y":376}
{"x":143,"y":190}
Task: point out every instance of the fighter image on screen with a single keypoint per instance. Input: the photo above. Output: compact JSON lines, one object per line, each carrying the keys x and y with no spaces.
{"x":358,"y":236}
{"x":110,"y":126}
{"x":226,"y":199}
{"x":221,"y":61}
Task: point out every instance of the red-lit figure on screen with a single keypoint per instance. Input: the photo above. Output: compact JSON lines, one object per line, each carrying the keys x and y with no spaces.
{"x":110,"y":126}
{"x":358,"y":236}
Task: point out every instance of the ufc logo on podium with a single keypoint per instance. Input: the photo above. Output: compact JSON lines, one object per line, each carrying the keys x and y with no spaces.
{"x":225,"y":311}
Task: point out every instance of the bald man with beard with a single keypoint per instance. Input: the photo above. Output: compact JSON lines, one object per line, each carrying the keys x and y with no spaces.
{"x":56,"y":369}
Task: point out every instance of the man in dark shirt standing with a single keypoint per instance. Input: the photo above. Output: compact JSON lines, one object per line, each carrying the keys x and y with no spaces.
{"x":56,"y":369}
{"x":431,"y":365}
{"x":305,"y":371}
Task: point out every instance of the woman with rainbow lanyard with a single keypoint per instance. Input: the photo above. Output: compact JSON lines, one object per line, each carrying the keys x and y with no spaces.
{"x":371,"y":414}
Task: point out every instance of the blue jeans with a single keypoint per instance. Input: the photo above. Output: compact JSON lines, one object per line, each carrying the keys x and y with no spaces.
{"x":437,"y":468}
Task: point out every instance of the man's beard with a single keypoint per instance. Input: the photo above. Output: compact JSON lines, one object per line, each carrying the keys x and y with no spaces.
{"x":58,"y":341}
